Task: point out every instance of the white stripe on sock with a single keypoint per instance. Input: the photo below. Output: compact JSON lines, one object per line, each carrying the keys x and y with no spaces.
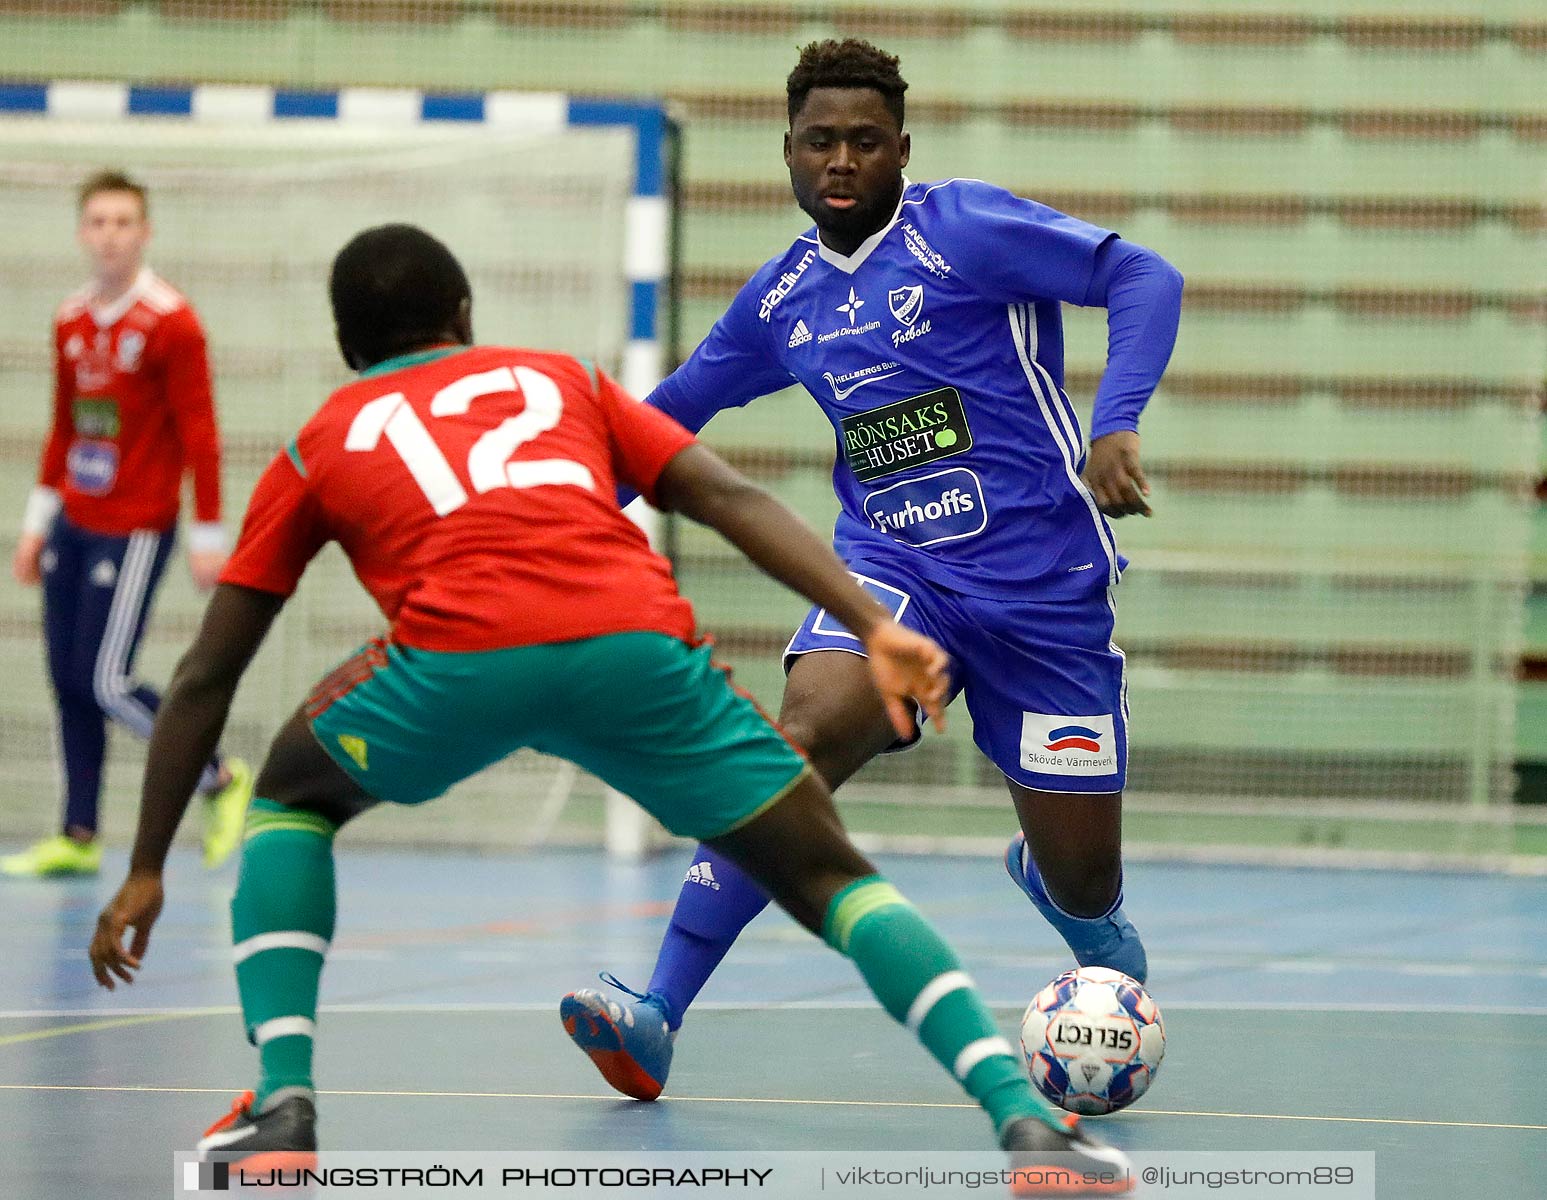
{"x":975,"y":1052}
{"x":936,"y":990}
{"x":292,"y":939}
{"x":284,"y":1027}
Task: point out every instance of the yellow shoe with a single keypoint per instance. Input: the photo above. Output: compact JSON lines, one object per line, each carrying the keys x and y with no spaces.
{"x":57,"y":855}
{"x":225,"y":813}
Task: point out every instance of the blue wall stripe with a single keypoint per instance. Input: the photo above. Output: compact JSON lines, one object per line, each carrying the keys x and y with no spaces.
{"x":651,"y":180}
{"x":306,"y":104}
{"x":645,"y":294}
{"x":649,"y":122}
{"x":160,"y":101}
{"x":462,"y":107}
{"x":23,"y":97}
{"x":586,"y":111}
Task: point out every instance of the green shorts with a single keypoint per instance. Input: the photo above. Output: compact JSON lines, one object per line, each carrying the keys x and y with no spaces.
{"x":646,"y":713}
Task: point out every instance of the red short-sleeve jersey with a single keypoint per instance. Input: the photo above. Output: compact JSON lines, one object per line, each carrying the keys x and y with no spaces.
{"x":132,"y":411}
{"x":474,"y":492}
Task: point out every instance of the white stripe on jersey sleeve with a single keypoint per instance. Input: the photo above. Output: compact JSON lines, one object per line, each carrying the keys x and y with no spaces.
{"x":162,"y":296}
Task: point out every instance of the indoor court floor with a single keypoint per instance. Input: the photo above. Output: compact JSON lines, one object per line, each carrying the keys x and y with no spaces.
{"x":1316,"y":1010}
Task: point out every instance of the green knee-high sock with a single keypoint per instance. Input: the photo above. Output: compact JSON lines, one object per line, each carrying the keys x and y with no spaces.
{"x":282,"y":921}
{"x":919,"y":981}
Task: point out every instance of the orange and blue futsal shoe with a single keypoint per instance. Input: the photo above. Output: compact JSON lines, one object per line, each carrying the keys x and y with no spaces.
{"x":628,"y":1040}
{"x":1058,"y":1158}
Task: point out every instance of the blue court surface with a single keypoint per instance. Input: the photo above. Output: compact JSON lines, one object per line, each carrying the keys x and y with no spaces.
{"x":1404,"y":1014}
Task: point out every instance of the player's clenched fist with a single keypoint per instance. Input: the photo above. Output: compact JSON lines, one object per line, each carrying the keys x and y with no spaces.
{"x":25,"y":566}
{"x":908,"y":666}
{"x":1114,"y":476}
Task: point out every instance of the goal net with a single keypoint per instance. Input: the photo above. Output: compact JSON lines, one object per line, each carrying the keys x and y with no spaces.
{"x":1321,"y":659}
{"x":247,"y":219}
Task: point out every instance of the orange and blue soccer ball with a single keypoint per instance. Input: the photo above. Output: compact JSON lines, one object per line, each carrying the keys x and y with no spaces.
{"x":1093,"y":1040}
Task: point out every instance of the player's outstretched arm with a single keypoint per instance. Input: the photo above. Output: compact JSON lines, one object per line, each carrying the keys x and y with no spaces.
{"x":906,"y":666}
{"x":188,"y":727}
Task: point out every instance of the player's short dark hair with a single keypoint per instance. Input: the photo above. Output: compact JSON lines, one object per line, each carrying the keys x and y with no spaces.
{"x":851,"y":63}
{"x":112,"y":181}
{"x":394,"y":288}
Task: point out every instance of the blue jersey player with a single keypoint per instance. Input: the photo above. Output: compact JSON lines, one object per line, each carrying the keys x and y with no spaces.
{"x":925,"y":319}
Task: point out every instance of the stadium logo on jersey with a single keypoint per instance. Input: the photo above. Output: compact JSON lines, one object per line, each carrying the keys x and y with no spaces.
{"x":858,"y":379}
{"x":93,"y":467}
{"x":940,"y":507}
{"x":924,"y":252}
{"x":851,"y":307}
{"x":702,"y":874}
{"x":907,"y":433}
{"x":906,"y":303}
{"x":800,"y":335}
{"x":131,"y":344}
{"x":787,"y":282}
{"x":1062,"y":744}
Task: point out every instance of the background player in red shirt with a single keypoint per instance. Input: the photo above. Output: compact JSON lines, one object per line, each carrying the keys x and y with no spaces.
{"x":132,"y":413}
{"x":474,"y":492}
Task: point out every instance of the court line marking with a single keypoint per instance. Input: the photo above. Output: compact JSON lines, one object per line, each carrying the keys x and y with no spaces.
{"x":503,"y":927}
{"x":1176,"y":1112}
{"x":999,"y":1005}
{"x":116,"y":1022}
{"x":611,"y":1099}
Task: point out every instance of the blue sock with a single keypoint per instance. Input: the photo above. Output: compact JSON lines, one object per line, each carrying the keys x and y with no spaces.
{"x":717,"y":902}
{"x":1109,"y":940}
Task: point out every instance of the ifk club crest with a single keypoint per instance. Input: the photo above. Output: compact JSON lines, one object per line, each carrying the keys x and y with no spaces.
{"x":906,"y":302}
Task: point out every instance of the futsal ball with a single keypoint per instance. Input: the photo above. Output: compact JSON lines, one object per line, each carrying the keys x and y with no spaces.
{"x":1093,"y":1040}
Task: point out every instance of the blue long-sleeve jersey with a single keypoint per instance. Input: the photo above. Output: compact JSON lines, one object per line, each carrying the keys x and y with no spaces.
{"x":936,"y":351}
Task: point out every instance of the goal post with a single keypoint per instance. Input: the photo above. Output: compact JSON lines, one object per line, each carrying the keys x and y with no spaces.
{"x":561,"y":209}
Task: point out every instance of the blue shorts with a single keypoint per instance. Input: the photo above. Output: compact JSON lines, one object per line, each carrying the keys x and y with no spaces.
{"x":1045,"y":685}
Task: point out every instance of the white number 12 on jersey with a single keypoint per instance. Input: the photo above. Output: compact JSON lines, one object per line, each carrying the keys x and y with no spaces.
{"x":488,"y":462}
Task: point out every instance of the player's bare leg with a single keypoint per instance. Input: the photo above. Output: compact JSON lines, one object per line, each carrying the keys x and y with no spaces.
{"x":1068,"y":860}
{"x":300,"y":774}
{"x":833,"y":712}
{"x":282,"y":919}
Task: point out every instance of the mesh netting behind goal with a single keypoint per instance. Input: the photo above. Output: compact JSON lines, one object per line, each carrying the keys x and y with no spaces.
{"x":246,"y":222}
{"x":1321,"y":663}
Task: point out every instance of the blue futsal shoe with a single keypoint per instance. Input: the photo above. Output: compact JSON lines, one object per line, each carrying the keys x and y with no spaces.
{"x":1109,"y":941}
{"x":628,"y":1040}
